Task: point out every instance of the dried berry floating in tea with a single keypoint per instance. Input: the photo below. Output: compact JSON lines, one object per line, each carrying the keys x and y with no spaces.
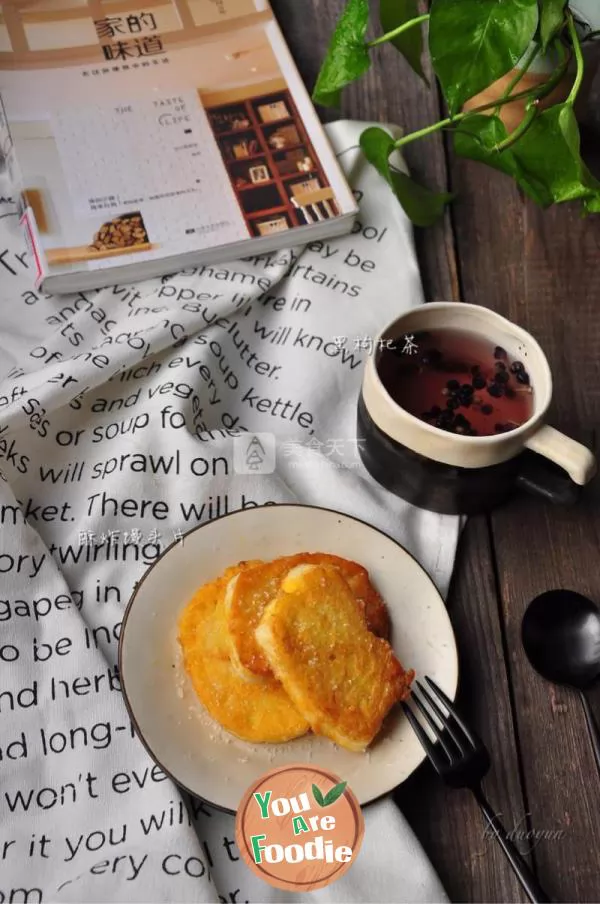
{"x":458,"y":382}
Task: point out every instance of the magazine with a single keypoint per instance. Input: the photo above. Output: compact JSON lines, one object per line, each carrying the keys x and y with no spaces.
{"x":142,"y":139}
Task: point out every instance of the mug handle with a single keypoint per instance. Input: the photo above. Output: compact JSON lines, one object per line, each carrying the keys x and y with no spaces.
{"x":576,"y":462}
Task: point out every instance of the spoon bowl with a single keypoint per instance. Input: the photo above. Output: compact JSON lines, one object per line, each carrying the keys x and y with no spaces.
{"x":561,"y":637}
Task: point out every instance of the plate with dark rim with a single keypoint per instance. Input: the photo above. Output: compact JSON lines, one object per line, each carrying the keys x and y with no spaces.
{"x":170,"y":720}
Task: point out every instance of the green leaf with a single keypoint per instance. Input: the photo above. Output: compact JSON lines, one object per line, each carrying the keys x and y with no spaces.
{"x":333,"y":794}
{"x":477,"y":138}
{"x":347,"y":57}
{"x":318,"y":796}
{"x":552,"y":15}
{"x":549,"y":154}
{"x":422,"y":206}
{"x":478,"y":135}
{"x":592,"y":205}
{"x":392,"y":14}
{"x":545,"y":161}
{"x":475,"y":42}
{"x":377,"y":145}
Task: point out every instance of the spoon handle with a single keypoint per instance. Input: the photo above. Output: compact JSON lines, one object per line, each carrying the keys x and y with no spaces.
{"x":592,"y":727}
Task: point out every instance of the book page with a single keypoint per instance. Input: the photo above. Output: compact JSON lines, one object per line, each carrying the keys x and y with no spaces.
{"x":151,"y":133}
{"x":179,"y":188}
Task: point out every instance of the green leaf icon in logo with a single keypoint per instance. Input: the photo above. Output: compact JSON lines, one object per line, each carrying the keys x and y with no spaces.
{"x":318,"y":796}
{"x":332,"y":795}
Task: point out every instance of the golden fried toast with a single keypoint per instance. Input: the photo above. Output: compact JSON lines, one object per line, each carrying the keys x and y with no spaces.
{"x":249,"y":594}
{"x":262,"y":713}
{"x":340,"y":676}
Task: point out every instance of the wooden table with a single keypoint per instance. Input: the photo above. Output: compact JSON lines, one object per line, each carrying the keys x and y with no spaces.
{"x":541,"y":269}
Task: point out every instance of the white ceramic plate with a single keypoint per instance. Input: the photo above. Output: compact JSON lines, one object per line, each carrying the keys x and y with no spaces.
{"x":177,"y":731}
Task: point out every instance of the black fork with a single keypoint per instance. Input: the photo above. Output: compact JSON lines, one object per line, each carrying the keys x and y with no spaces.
{"x":462,"y":761}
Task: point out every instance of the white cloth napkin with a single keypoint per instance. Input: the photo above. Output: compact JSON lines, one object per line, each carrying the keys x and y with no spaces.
{"x":105,"y":404}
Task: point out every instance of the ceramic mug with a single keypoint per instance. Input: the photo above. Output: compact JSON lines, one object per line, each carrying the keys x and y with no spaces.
{"x":457,"y":474}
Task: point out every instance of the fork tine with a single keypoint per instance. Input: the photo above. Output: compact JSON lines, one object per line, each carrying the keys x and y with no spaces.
{"x":444,"y":719}
{"x":438,"y":732}
{"x":452,"y":710}
{"x":426,"y":744}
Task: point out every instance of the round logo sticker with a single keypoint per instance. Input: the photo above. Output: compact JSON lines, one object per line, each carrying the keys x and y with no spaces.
{"x":299,"y":827}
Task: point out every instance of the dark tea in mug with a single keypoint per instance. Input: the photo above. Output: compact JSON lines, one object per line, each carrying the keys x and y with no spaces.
{"x":457,"y":381}
{"x":451,"y":413}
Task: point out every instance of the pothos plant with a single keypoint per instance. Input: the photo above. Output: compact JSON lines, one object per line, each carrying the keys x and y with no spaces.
{"x":472,"y":44}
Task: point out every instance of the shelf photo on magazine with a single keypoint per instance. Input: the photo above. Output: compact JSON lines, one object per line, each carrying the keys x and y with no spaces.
{"x":144,"y":142}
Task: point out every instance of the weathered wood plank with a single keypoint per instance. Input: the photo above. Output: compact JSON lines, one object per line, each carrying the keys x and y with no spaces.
{"x":563,"y":786}
{"x":541,"y":270}
{"x":448,"y":822}
{"x":390,"y":93}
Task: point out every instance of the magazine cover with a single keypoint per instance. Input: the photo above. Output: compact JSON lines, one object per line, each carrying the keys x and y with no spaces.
{"x":146,"y":131}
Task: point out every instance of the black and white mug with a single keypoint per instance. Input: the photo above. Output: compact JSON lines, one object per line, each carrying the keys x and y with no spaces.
{"x":458,"y":474}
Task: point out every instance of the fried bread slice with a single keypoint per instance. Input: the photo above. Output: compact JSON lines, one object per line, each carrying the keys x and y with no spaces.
{"x":340,"y":676}
{"x":259,"y":713}
{"x":248,"y":595}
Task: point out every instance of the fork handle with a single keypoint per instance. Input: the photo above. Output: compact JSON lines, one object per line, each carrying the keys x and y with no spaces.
{"x":521,"y":868}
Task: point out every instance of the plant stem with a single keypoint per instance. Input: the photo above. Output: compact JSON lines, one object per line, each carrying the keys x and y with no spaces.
{"x":548,"y":86}
{"x":535,"y":50}
{"x":579,"y":59}
{"x":423,"y":133}
{"x":530,"y":114}
{"x":532,"y":93}
{"x":398,"y":31}
{"x":451,"y":120}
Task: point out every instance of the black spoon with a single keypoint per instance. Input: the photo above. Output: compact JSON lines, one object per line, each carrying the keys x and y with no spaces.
{"x":561,"y":636}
